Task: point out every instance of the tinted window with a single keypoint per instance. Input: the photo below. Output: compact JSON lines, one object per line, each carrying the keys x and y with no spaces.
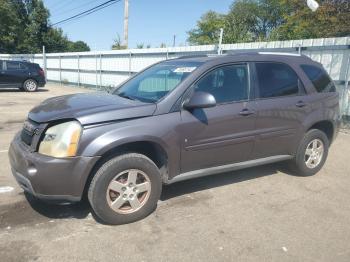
{"x":319,"y":78}
{"x":10,"y":65}
{"x":226,"y":84}
{"x":276,"y":80}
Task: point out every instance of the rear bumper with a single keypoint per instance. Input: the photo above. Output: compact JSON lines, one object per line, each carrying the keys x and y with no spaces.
{"x":41,"y":82}
{"x":49,"y":178}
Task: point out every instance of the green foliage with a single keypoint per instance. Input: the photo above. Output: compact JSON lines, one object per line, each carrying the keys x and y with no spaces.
{"x":9,"y":27}
{"x":78,"y":46}
{"x":330,"y":20}
{"x":207,"y":30}
{"x":260,"y":20}
{"x":25,"y":28}
{"x":117,"y":45}
{"x":140,"y":46}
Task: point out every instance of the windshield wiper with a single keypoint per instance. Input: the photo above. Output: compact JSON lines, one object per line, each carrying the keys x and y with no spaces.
{"x":126,"y":96}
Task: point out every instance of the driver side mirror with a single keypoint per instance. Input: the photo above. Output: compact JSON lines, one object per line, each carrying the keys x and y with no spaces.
{"x":200,"y":100}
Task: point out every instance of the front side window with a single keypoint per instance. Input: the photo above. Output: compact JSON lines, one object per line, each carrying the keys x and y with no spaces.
{"x":319,"y":78}
{"x":276,"y":79}
{"x":226,"y":84}
{"x":157,"y":81}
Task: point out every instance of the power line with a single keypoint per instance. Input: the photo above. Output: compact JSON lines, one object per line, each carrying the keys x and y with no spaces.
{"x":69,"y":10}
{"x":88,"y":12}
{"x":59,"y":4}
{"x":95,"y":10}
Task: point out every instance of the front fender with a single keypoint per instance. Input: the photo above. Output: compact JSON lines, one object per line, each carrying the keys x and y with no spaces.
{"x":161,"y":130}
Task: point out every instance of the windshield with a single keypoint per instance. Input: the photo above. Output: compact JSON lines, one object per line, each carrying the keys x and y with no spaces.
{"x":157,"y":81}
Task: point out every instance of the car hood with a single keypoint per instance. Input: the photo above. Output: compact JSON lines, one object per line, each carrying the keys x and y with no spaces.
{"x":90,"y":108}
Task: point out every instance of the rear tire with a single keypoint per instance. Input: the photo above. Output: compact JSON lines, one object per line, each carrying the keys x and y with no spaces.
{"x":311,"y":155}
{"x":30,"y":85}
{"x":125,"y":189}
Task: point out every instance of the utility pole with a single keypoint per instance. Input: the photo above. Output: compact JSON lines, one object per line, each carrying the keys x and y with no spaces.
{"x":126,"y":23}
{"x":44,"y":61}
{"x":220,"y":41}
{"x":174,"y":40}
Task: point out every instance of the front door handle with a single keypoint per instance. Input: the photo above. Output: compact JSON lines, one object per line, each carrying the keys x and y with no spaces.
{"x":246,"y":112}
{"x":300,"y":104}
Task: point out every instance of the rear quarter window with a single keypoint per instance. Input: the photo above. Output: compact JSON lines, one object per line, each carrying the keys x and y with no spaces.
{"x":319,"y":78}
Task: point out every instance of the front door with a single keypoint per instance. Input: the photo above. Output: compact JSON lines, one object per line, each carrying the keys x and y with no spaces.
{"x":223,"y":134}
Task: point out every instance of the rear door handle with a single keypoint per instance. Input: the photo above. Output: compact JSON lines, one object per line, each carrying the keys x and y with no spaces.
{"x":246,"y":112}
{"x":300,"y":104}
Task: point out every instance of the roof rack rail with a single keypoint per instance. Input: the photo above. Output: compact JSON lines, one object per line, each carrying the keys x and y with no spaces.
{"x":191,"y":56}
{"x":241,"y":52}
{"x":279,"y":53}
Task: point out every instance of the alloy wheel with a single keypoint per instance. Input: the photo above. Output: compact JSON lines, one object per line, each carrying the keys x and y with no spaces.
{"x":314,"y":153}
{"x":128,"y":191}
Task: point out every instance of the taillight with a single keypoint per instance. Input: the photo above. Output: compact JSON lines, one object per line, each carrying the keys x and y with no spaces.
{"x":41,"y":72}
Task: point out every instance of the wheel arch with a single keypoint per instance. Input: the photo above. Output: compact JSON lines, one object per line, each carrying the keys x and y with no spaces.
{"x":326,"y":126}
{"x":151,"y":149}
{"x":29,"y":78}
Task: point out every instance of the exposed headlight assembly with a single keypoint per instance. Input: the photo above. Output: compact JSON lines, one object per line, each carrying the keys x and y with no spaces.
{"x":61,"y":140}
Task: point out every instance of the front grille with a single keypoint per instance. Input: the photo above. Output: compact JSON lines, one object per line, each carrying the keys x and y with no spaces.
{"x":28,"y":131}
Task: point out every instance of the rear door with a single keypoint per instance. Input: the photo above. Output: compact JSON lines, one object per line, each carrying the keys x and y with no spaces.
{"x":15,"y":73}
{"x":281,"y":107}
{"x":223,"y":134}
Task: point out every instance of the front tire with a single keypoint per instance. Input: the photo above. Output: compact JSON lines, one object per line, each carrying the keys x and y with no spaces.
{"x":125,"y":189}
{"x":312,"y":153}
{"x":30,"y":85}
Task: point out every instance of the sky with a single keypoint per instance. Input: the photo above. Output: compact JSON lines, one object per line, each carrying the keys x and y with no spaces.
{"x":150,"y":21}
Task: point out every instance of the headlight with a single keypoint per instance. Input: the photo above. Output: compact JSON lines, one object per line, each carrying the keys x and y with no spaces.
{"x":61,"y":140}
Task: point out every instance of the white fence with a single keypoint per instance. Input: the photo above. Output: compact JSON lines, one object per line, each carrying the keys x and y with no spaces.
{"x":109,"y":68}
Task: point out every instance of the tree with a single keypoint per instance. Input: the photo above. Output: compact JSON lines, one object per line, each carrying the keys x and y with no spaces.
{"x":117,"y":45}
{"x":25,"y":28}
{"x":9,"y":26}
{"x":55,"y":41}
{"x":261,"y":20}
{"x":78,"y":46}
{"x":330,"y":20}
{"x":140,"y":46}
{"x":207,"y":30}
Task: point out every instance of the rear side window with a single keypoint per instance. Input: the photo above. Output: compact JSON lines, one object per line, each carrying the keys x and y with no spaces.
{"x":319,"y":78}
{"x":276,"y":80}
{"x":11,"y":65}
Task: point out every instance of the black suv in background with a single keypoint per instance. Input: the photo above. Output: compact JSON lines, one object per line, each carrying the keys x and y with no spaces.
{"x":20,"y":74}
{"x":176,"y":120}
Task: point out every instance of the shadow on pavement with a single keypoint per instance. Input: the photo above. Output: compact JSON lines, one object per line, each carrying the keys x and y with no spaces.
{"x":16,"y":90}
{"x":52,"y":210}
{"x":34,"y":211}
{"x":218,"y":180}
